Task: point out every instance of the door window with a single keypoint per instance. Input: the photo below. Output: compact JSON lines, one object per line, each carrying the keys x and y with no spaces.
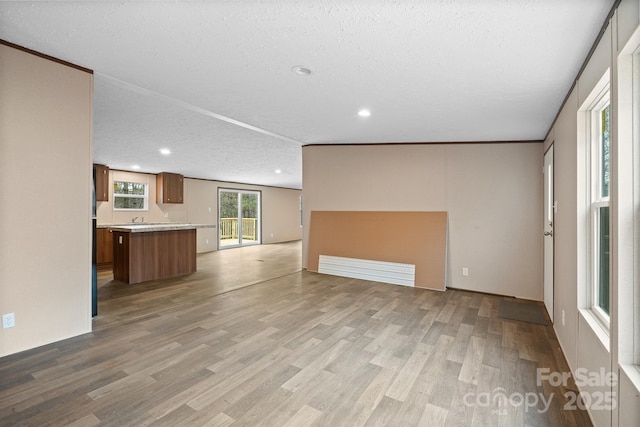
{"x":239,"y":213}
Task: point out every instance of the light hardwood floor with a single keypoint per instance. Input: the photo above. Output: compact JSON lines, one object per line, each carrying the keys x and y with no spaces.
{"x":251,"y":340}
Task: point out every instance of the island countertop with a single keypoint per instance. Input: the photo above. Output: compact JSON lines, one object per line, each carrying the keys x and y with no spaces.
{"x":150,"y":227}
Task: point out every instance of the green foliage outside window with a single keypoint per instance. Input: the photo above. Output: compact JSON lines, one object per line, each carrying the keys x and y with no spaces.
{"x":129,"y":195}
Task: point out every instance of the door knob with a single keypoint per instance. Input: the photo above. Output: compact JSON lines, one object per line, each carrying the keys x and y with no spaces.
{"x":548,"y":233}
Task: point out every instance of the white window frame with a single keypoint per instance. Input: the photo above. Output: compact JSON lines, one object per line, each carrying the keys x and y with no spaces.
{"x":635,"y":215}
{"x":145,"y":197}
{"x":595,"y":202}
{"x":627,"y":204}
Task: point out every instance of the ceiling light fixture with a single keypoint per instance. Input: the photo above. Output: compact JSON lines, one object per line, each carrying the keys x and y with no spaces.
{"x":165,"y":151}
{"x":364,"y":113}
{"x":135,"y":167}
{"x":299,"y":69}
{"x":278,"y":171}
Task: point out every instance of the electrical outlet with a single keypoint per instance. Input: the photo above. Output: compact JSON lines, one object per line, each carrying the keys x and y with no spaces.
{"x":206,"y":241}
{"x":8,"y":320}
{"x":465,"y":271}
{"x":562,"y":317}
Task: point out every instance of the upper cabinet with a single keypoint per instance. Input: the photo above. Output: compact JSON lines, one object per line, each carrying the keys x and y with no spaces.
{"x":102,"y":183}
{"x":169,"y":188}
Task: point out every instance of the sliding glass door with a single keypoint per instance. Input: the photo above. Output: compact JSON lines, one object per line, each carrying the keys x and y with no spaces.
{"x":239,"y":214}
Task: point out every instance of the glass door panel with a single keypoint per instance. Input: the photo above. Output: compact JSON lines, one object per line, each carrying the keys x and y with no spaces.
{"x":228,"y":218}
{"x":249,"y":223}
{"x":239,"y":214}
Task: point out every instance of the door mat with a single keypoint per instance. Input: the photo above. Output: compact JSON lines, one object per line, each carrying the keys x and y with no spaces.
{"x":530,"y":312}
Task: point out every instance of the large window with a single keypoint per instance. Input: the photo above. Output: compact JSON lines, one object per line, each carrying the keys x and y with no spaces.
{"x":130,"y":196}
{"x":599,"y":209}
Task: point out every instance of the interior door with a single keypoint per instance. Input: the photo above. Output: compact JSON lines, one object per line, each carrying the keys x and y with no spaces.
{"x":239,"y":218}
{"x":549,"y":215}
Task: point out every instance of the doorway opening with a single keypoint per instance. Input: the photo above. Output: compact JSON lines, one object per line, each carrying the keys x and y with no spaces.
{"x":239,"y":218}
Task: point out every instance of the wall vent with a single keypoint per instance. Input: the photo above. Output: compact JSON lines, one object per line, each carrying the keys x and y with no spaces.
{"x":377,"y":271}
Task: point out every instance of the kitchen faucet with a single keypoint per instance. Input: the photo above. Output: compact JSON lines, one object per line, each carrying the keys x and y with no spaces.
{"x":134,"y":219}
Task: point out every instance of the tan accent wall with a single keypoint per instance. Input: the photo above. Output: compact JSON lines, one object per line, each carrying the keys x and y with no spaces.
{"x":492,"y":193}
{"x":45,"y":199}
{"x":417,"y":238}
{"x":280,"y":208}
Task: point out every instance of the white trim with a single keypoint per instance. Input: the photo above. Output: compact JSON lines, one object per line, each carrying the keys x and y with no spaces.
{"x":598,"y":328}
{"x":597,"y":103}
{"x":627,"y":211}
{"x":632,"y":372}
{"x":145,"y":197}
{"x":635,"y":203}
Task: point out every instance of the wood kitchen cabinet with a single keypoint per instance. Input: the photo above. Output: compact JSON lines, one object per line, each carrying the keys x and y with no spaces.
{"x":102,"y":183}
{"x":104,"y":248}
{"x":150,"y":255}
{"x":169,"y":188}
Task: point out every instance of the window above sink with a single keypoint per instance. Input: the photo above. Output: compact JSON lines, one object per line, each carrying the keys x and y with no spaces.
{"x":130,"y":196}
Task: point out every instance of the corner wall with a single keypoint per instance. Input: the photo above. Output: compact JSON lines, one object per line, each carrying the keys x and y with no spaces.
{"x":584,"y":344}
{"x":45,"y":209}
{"x":492,"y":192}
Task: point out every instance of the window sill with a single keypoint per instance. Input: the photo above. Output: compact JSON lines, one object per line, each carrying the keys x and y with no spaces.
{"x":596,"y":326}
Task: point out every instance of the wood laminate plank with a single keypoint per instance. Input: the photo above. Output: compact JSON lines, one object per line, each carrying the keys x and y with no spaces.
{"x":306,"y":416}
{"x":405,"y":379}
{"x":472,"y":363}
{"x":370,"y":398}
{"x":286,"y":411}
{"x":386,"y":413}
{"x":288,"y":347}
{"x":433,"y":416}
{"x":87,"y":421}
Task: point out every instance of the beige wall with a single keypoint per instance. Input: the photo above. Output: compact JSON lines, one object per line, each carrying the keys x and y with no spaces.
{"x":565,"y":228}
{"x":493,"y":193}
{"x":280,"y":208}
{"x":45,"y":209}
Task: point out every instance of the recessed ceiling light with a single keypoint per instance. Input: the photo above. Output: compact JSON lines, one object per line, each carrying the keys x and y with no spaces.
{"x":165,"y":151}
{"x":364,"y":113}
{"x":278,"y":170}
{"x":299,"y":69}
{"x":136,"y":167}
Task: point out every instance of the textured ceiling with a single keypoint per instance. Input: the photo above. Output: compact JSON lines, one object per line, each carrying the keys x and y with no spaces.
{"x":212,"y":81}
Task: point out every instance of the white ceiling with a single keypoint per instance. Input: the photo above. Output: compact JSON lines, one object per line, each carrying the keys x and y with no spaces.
{"x":212,"y":81}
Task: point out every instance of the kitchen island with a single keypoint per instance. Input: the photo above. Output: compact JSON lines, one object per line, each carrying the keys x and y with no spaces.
{"x":143,"y":252}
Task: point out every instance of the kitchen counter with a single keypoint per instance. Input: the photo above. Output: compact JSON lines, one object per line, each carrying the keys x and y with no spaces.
{"x":148,"y":251}
{"x":153,"y":226}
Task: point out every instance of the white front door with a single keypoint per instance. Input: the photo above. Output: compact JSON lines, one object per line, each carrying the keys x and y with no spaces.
{"x":549,"y":210}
